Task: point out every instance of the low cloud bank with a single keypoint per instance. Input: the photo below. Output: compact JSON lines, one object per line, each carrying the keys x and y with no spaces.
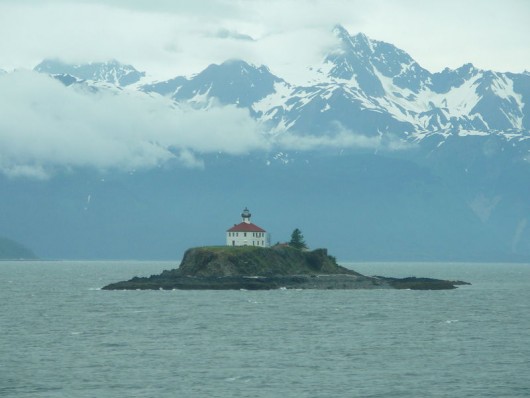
{"x":339,"y":138}
{"x":46,"y":127}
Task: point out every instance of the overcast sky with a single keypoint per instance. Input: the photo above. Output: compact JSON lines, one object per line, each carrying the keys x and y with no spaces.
{"x":171,"y":37}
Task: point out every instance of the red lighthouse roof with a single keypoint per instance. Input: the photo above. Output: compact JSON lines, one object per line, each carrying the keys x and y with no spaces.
{"x":246,"y":227}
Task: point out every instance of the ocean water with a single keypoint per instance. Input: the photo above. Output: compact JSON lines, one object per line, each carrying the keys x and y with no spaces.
{"x":60,"y":336}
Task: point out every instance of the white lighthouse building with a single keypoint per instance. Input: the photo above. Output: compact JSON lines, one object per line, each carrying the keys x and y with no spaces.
{"x":247,"y":234}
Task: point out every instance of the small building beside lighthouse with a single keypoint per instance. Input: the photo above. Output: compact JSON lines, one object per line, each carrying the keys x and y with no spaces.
{"x":247,"y":234}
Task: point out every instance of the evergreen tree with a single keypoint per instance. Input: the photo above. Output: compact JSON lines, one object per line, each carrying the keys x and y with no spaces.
{"x":297,"y":240}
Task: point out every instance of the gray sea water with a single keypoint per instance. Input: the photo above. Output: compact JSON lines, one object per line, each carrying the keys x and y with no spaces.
{"x":60,"y":336}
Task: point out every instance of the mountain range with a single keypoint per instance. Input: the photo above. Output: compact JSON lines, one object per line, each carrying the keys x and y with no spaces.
{"x":433,"y":166}
{"x":369,"y":87}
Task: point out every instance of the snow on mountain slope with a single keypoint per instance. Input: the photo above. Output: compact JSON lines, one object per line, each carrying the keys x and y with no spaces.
{"x":233,"y":82}
{"x":363,"y":85}
{"x":111,"y":72}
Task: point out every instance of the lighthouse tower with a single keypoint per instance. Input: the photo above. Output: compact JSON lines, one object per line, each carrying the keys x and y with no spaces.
{"x":246,"y":233}
{"x":246,"y":216}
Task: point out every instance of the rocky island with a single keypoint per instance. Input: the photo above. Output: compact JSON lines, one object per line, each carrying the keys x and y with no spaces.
{"x":264,"y":268}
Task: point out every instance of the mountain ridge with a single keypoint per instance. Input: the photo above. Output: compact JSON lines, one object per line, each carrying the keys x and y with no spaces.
{"x":400,"y":163}
{"x":364,"y":85}
{"x":384,"y":89}
{"x":111,"y":71}
{"x":12,"y":250}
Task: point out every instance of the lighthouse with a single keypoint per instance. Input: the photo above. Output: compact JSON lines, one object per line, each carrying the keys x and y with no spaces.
{"x":246,"y":233}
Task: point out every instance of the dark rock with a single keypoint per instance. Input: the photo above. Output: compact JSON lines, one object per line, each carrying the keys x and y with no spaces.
{"x":255,"y":268}
{"x":257,"y":261}
{"x":414,"y":283}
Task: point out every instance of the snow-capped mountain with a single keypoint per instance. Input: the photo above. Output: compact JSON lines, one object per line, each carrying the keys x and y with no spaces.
{"x":363,"y":85}
{"x":109,"y":72}
{"x":233,"y":82}
{"x":369,"y":87}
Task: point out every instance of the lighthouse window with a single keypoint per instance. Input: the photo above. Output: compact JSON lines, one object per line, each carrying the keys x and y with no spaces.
{"x":245,"y":234}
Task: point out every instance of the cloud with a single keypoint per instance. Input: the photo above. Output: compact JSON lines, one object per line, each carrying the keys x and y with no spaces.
{"x":438,"y":34}
{"x":339,"y":138}
{"x":342,"y":139}
{"x":232,"y":34}
{"x":168,"y":38}
{"x":45,"y":125}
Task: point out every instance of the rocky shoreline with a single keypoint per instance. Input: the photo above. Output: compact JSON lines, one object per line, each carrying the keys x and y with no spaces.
{"x":250,"y":268}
